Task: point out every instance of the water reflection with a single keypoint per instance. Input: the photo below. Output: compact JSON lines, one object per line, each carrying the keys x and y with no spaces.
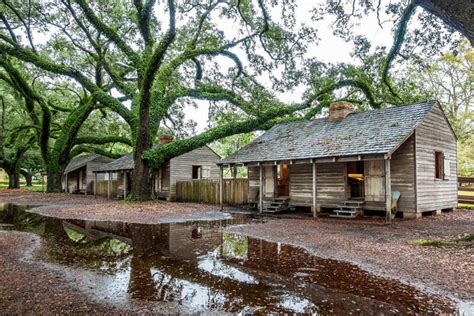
{"x":198,"y":266}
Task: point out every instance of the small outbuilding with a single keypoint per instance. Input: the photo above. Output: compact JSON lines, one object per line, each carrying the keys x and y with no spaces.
{"x":353,"y":162}
{"x":78,"y":176}
{"x":194,"y":165}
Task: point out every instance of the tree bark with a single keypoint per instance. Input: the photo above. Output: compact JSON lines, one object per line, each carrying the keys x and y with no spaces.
{"x":456,"y":13}
{"x":13,"y":179}
{"x":142,"y":179}
{"x":29,"y":180}
{"x":55,"y":176}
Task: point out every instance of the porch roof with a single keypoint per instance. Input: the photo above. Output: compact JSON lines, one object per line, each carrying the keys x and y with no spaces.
{"x":360,"y":133}
{"x":80,"y":162}
{"x":123,"y":163}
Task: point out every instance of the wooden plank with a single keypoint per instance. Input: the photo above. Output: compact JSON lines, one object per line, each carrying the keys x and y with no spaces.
{"x":315,"y":191}
{"x":260,"y":196}
{"x":388,"y":191}
{"x":434,"y":134}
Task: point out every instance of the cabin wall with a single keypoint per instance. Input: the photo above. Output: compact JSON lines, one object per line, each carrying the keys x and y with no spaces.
{"x":93,"y":165}
{"x":301,"y":184}
{"x":402,"y":170}
{"x":162,"y":180}
{"x":254,"y":186}
{"x":434,"y":134}
{"x":181,"y":167}
{"x":331,"y":182}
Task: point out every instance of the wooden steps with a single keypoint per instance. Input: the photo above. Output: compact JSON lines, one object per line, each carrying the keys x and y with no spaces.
{"x":276,"y":205}
{"x":348,"y":209}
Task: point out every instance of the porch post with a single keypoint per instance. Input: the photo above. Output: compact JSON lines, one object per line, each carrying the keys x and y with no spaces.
{"x":108,"y":186}
{"x":65,"y":187}
{"x":124,"y":185}
{"x":388,"y":191}
{"x":221,"y":187}
{"x":95,"y":184}
{"x":260,"y":195}
{"x":315,"y":203}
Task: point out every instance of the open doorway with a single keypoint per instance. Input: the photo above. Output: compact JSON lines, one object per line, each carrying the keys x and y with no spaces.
{"x":355,"y":179}
{"x":283,"y":176}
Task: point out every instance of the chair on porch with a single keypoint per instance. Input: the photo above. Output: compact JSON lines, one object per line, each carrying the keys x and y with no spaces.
{"x":394,"y":204}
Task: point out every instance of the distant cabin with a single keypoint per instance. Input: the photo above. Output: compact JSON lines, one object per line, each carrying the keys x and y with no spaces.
{"x":356,"y":159}
{"x":197,"y":164}
{"x":78,"y":176}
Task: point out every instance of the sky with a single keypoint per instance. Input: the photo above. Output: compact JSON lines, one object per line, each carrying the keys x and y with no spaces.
{"x":329,"y":49}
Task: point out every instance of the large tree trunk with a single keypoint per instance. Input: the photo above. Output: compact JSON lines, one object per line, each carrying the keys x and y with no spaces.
{"x":456,"y":13}
{"x":13,"y":180}
{"x":55,"y":176}
{"x":29,"y":180}
{"x":142,"y":179}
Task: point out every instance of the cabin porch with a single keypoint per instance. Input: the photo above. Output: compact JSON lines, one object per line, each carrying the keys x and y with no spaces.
{"x":344,"y":186}
{"x":76,"y":181}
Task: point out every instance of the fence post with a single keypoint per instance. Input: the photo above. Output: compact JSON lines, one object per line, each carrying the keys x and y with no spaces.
{"x":221,"y":187}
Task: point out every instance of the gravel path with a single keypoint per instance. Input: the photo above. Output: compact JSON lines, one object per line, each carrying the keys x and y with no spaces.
{"x":387,"y":250}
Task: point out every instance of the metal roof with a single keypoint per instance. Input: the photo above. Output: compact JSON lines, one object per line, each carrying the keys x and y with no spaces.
{"x":81,"y":161}
{"x":360,"y":133}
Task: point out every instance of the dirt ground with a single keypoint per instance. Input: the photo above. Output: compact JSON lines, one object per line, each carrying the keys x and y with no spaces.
{"x":73,"y":206}
{"x":29,"y":288}
{"x":387,"y":250}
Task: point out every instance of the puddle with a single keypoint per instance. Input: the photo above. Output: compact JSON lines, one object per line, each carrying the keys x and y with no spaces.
{"x":198,"y":268}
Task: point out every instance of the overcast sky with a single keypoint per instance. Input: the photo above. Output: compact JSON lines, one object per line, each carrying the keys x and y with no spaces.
{"x":329,"y":49}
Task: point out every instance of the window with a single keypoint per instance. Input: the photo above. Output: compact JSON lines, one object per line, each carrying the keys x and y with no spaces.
{"x":206,"y":172}
{"x":196,"y":172}
{"x":439,"y":165}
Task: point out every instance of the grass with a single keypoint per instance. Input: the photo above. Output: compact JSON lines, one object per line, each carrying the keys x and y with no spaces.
{"x":464,"y":237}
{"x":429,"y":242}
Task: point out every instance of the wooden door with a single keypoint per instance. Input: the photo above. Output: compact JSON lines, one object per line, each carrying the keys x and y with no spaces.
{"x":269,"y":181}
{"x":374,"y":181}
{"x":283,"y":181}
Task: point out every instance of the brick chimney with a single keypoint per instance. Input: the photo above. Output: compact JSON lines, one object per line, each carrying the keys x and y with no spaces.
{"x":339,"y":110}
{"x":164,"y":139}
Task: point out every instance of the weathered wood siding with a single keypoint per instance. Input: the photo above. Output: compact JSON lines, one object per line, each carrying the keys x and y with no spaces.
{"x":301,"y":185}
{"x":434,"y":134}
{"x":254,"y":179}
{"x":402,"y":169}
{"x":374,"y":182}
{"x":162,"y":181}
{"x":91,"y":166}
{"x":181,"y":167}
{"x":269,"y":178}
{"x":331,"y":182}
{"x":207,"y":191}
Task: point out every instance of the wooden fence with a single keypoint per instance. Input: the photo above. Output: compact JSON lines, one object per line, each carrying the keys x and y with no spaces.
{"x":466,"y":190}
{"x":207,"y":191}
{"x":102,"y":187}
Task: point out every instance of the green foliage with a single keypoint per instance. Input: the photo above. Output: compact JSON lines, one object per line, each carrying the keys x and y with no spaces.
{"x":122,"y":69}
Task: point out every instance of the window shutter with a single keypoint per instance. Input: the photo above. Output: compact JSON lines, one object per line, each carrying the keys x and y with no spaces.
{"x":206,"y":172}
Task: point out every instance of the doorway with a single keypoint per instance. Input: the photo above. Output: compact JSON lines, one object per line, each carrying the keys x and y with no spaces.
{"x":283,"y":176}
{"x":355,"y":179}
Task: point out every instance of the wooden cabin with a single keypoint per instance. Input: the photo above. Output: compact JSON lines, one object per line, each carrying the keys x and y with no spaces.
{"x":78,"y":176}
{"x":356,"y":160}
{"x":196,"y":164}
